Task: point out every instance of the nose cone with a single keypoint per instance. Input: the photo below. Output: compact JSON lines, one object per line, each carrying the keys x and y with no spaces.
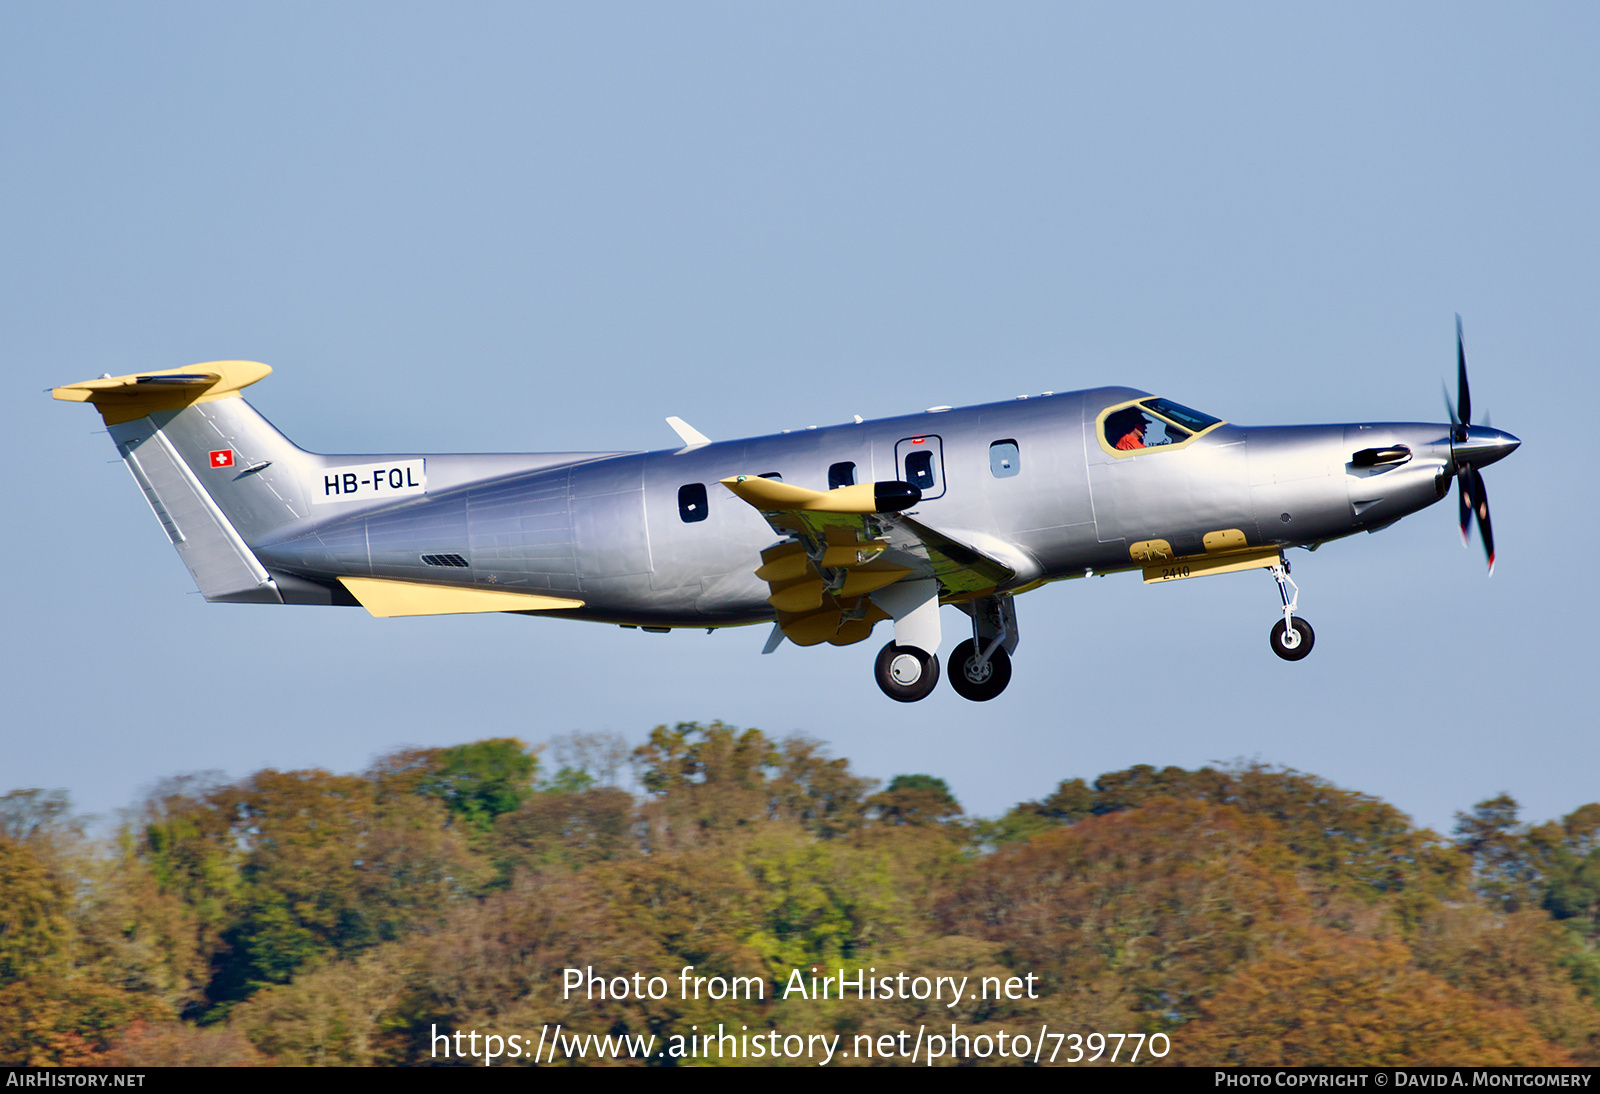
{"x":1482,"y":446}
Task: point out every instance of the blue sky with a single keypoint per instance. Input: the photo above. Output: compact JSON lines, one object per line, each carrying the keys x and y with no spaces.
{"x":517,"y":227}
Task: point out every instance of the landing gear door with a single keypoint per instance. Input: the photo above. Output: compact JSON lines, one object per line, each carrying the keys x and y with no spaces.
{"x":920,"y":461}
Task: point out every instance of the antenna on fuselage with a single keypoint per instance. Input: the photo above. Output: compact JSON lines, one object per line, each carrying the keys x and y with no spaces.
{"x":687,"y":433}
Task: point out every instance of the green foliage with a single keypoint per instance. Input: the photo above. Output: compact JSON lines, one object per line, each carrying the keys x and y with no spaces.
{"x":1554,"y":866}
{"x":568,"y":780}
{"x":481,"y":780}
{"x":818,"y":900}
{"x":939,"y":787}
{"x":1071,"y":802}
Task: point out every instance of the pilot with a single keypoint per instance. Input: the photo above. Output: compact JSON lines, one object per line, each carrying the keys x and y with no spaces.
{"x":1126,"y":429}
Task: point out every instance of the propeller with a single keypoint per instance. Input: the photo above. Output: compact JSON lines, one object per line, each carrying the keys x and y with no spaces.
{"x":1472,"y":447}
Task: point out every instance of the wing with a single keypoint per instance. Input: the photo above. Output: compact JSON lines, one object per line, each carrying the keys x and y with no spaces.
{"x":843,"y":545}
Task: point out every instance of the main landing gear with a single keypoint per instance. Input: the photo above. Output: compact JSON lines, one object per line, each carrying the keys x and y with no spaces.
{"x":1292,"y":638}
{"x":979,"y":669}
{"x":906,"y":673}
{"x":977,"y":678}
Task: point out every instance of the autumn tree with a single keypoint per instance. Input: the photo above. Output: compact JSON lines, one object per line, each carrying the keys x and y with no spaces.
{"x":53,"y":1009}
{"x":914,"y":799}
{"x":1352,"y":843}
{"x":1503,"y":868}
{"x":707,"y":782}
{"x":571,"y":827}
{"x":1333,"y":1000}
{"x":1136,"y":914}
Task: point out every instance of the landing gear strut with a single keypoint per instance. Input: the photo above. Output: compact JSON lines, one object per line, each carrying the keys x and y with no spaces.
{"x":980,"y":668}
{"x":906,"y":673}
{"x":1292,"y":638}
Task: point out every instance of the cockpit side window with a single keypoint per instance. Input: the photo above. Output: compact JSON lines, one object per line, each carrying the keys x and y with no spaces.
{"x":1152,"y":423}
{"x":1126,"y":428}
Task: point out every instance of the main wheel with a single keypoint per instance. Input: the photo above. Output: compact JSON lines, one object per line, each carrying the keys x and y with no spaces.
{"x":1292,"y":647}
{"x":906,"y":673}
{"x":980,"y":683}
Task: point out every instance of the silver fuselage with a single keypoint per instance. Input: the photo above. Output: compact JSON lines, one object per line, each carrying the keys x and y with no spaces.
{"x":607,"y":528}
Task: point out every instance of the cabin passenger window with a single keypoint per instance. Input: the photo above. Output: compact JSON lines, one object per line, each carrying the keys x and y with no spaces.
{"x":919,"y":469}
{"x":921,"y":463}
{"x":1004,"y":459}
{"x":841,"y":474}
{"x":692,"y":502}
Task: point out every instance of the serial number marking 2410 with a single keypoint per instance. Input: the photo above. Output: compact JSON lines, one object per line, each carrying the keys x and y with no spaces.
{"x":1172,"y":571}
{"x":359,"y":482}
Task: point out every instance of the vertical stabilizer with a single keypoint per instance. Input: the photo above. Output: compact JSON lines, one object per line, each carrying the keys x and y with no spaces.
{"x":224,"y":568}
{"x":215,"y":472}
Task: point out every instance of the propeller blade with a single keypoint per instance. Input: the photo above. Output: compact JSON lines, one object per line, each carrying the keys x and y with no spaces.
{"x":1463,"y":393}
{"x":1480,"y":497}
{"x":1468,"y":451}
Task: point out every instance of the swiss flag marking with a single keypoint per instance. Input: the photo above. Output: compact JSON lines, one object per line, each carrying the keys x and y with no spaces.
{"x":222,"y":458}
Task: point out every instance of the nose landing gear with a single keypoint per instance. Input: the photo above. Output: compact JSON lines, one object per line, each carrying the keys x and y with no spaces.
{"x":1292,"y":638}
{"x":1292,"y":641}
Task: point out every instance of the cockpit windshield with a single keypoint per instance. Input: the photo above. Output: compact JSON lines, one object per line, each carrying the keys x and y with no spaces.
{"x":1134,"y":427}
{"x":1192,"y":420}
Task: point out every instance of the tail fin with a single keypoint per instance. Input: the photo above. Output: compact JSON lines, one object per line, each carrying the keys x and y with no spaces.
{"x":215,"y":472}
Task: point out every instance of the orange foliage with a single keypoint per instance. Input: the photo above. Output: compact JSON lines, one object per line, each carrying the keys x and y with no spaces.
{"x":1333,"y":1000}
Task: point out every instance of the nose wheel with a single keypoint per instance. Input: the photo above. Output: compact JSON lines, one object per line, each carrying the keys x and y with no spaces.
{"x":1292,"y":641}
{"x":906,"y":673}
{"x":1292,"y":637}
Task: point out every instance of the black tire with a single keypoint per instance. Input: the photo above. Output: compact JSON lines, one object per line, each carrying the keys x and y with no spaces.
{"x":972,"y":683}
{"x":1307,"y":638}
{"x":906,"y":673}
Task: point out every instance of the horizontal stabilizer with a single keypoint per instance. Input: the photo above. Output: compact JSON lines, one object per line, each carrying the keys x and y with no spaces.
{"x":385,"y":598}
{"x":125,"y":398}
